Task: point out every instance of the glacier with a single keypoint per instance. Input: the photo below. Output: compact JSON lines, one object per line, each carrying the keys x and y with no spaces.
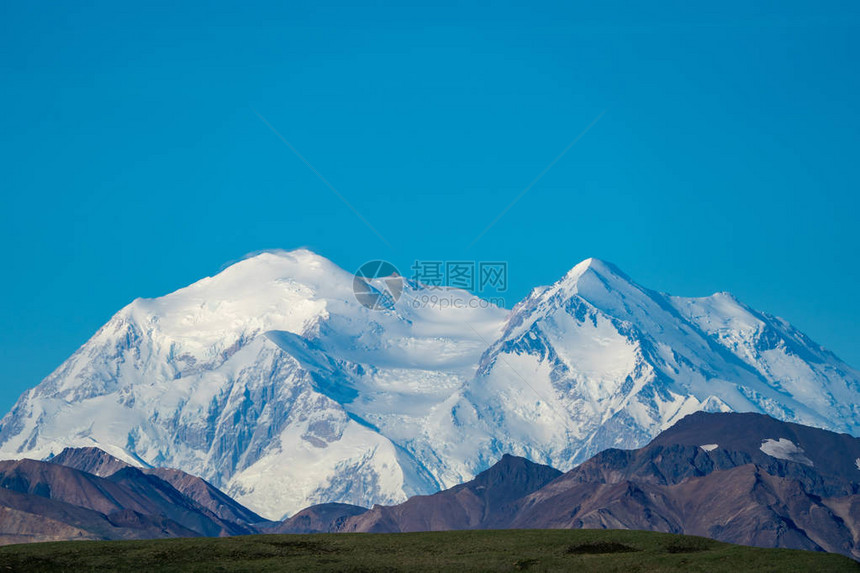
{"x":272,"y":382}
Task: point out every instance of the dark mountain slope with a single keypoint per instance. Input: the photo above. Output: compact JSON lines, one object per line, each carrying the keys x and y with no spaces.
{"x":485,"y":502}
{"x":322,"y":518}
{"x":207,"y":495}
{"x":741,"y":478}
{"x":100,"y":463}
{"x":91,"y":460}
{"x":126,"y":505}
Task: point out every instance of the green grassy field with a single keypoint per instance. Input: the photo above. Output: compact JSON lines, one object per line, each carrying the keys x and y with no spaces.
{"x":460,"y":551}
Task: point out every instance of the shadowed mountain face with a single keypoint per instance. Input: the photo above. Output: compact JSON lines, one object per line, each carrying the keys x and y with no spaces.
{"x":44,"y":501}
{"x":322,"y":518}
{"x":826,"y":462}
{"x":742,"y":478}
{"x":207,"y":495}
{"x":100,"y":463}
{"x":483,"y":503}
{"x":90,"y":460}
{"x":27,"y":518}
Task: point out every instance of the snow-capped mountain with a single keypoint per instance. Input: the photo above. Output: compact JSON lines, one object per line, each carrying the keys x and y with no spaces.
{"x":596,"y":361}
{"x":269,"y":380}
{"x":272,"y":382}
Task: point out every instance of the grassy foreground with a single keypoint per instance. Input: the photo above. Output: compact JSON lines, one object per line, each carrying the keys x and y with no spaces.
{"x":460,"y":551}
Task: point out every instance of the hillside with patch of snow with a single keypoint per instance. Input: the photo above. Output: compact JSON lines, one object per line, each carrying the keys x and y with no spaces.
{"x":271,"y":381}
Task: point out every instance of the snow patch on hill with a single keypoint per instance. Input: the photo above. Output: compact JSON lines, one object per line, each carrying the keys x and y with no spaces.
{"x":785,"y":449}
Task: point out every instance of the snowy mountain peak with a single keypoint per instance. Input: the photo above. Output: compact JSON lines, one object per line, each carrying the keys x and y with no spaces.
{"x":591,"y":286}
{"x":273,"y":290}
{"x":596,"y":281}
{"x":597,"y":266}
{"x":300,"y":266}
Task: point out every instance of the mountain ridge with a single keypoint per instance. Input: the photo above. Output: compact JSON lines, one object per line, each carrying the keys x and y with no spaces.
{"x":127,"y":504}
{"x":99,"y":463}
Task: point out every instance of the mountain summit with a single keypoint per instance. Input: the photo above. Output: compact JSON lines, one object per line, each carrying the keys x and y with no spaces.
{"x":273,"y":383}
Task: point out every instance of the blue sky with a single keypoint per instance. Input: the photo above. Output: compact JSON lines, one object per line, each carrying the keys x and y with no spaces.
{"x":133,"y":162}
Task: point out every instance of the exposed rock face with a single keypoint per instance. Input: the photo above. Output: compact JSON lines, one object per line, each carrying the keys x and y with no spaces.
{"x":91,"y":460}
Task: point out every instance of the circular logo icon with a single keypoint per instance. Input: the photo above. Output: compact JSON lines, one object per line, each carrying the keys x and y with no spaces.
{"x":377,"y":285}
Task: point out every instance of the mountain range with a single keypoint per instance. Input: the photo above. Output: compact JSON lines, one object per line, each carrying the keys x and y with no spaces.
{"x":742,"y":478}
{"x":274,"y":384}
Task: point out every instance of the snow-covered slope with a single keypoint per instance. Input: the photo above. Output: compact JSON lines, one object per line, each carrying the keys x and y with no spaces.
{"x":271,"y":381}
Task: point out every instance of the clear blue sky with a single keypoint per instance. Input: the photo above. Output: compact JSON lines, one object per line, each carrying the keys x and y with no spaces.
{"x":133,"y":162}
